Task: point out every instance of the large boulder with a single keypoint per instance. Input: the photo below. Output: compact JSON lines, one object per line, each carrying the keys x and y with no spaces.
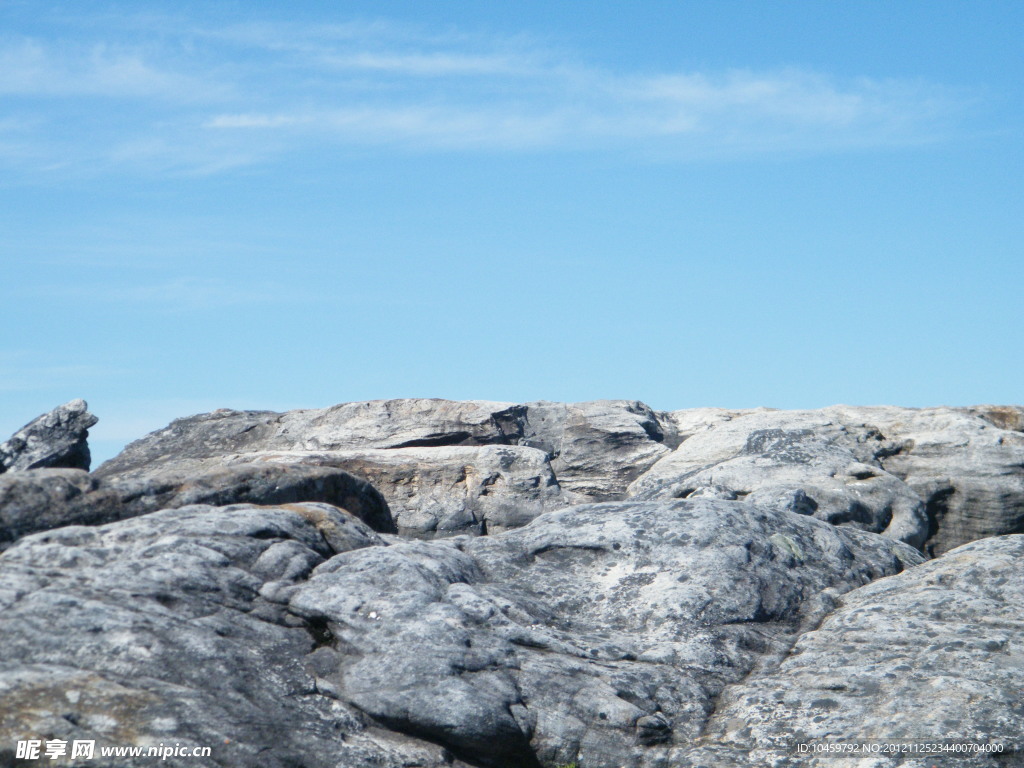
{"x":43,"y":499}
{"x":445,"y":491}
{"x":933,"y":654}
{"x":169,"y":629}
{"x":55,"y":439}
{"x":807,"y":462}
{"x":444,"y":467}
{"x":40,"y":499}
{"x":597,"y":448}
{"x":966,"y":465}
{"x":598,"y":634}
{"x":933,"y":477}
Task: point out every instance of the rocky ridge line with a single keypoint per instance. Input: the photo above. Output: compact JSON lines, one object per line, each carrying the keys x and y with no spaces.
{"x":934,"y":478}
{"x":745,"y":580}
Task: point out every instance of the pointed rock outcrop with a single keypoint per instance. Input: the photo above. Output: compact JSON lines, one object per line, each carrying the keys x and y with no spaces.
{"x":58,"y":439}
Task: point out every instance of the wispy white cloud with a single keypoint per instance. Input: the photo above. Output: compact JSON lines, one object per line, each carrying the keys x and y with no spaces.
{"x":697,"y":113}
{"x":255,"y":120}
{"x":33,"y":68}
{"x":436,"y":64}
{"x":202,"y":100}
{"x":178,"y":294}
{"x":447,"y":127}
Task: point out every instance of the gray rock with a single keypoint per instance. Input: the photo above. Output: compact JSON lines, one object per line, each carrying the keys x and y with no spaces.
{"x":254,"y":483}
{"x":598,"y":448}
{"x":444,"y":467}
{"x":596,"y":633}
{"x":934,"y":477}
{"x":709,"y":630}
{"x":40,"y":499}
{"x":446,"y":491}
{"x":689,"y":422}
{"x":169,"y":628}
{"x":966,"y":464}
{"x":43,"y":499}
{"x":373,"y":424}
{"x":934,"y":653}
{"x":808,"y":462}
{"x":55,"y":439}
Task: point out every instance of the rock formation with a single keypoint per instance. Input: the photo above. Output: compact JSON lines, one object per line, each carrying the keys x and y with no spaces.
{"x":55,"y":439}
{"x":296,"y":630}
{"x":492,"y":585}
{"x":41,"y":499}
{"x":444,"y":467}
{"x":934,"y":478}
{"x":805,"y":462}
{"x":934,"y":652}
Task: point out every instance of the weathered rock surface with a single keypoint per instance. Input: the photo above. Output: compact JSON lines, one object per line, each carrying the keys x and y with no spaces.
{"x":966,"y":464}
{"x":55,"y":439}
{"x":255,"y":483}
{"x":373,"y":424}
{"x":599,"y":447}
{"x":42,"y":499}
{"x":805,"y":462}
{"x":933,"y":477}
{"x":295,"y":635}
{"x":932,"y":654}
{"x":597,"y":633}
{"x":728,"y":596}
{"x":169,"y":628}
{"x":444,"y":467}
{"x":445,"y":491}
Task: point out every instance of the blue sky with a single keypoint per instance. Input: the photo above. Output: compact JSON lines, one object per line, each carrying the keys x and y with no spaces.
{"x":283,"y":205}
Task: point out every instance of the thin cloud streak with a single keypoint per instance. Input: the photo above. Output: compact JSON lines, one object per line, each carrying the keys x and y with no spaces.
{"x":176,"y":295}
{"x":767,"y":110}
{"x":195,"y":106}
{"x":31,"y":69}
{"x":436,"y":64}
{"x":256,"y":121}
